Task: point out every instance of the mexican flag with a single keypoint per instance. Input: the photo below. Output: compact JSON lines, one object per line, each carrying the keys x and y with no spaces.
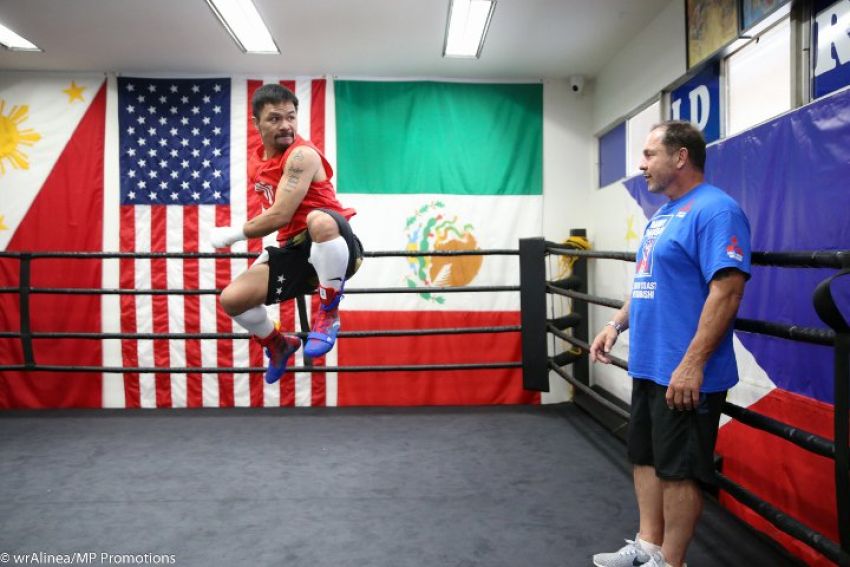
{"x":437,"y":166}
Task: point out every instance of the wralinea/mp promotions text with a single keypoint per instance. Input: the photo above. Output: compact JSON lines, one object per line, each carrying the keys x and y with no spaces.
{"x":87,"y":558}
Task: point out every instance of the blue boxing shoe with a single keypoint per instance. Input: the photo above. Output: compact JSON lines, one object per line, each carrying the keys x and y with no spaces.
{"x":279,"y":348}
{"x":322,"y":336}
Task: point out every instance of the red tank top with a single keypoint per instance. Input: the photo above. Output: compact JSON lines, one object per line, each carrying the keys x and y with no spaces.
{"x":264,"y":176}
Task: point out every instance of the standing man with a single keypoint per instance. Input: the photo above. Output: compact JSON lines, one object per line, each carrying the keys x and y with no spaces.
{"x":691,"y":268}
{"x":317,"y":245}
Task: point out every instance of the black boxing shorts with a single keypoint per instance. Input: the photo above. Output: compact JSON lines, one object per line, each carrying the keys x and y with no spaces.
{"x":290,"y":272}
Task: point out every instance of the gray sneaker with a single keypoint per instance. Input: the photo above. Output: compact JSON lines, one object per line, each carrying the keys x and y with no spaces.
{"x":630,"y":555}
{"x":657,"y":560}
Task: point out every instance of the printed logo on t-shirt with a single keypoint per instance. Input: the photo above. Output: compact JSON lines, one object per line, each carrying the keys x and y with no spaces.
{"x":656,"y":226}
{"x":733,"y":250}
{"x":266,"y":190}
{"x":686,"y":208}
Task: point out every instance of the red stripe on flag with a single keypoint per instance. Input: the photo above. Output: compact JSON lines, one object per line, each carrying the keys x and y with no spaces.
{"x":317,"y":113}
{"x":287,"y":382}
{"x":431,"y":388}
{"x":254,"y":208}
{"x":67,"y":214}
{"x":318,"y":382}
{"x":159,"y":305}
{"x":127,"y":280}
{"x":287,"y":390}
{"x":287,"y":316}
{"x":781,"y":473}
{"x":254,"y":140}
{"x":192,"y":308}
{"x":223,"y":321}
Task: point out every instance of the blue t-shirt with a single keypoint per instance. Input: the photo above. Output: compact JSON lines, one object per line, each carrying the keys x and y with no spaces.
{"x":684,"y":244}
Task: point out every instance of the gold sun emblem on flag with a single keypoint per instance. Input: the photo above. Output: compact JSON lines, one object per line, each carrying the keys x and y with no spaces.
{"x":12,"y":137}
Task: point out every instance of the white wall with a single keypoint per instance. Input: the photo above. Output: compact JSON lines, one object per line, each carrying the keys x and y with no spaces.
{"x":648,"y":63}
{"x":571,"y":199}
{"x":645,"y":66}
{"x":567,"y":158}
{"x":567,"y":177}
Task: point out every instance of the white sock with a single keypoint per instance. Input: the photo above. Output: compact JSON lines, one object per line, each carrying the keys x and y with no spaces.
{"x":256,"y":321}
{"x":648,"y":547}
{"x":330,"y":258}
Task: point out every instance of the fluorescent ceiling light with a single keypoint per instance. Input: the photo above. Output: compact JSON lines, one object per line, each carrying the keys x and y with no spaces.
{"x":467,"y":27}
{"x":243,"y":22}
{"x":13,"y":41}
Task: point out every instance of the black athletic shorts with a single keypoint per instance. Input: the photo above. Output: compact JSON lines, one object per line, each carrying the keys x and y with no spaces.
{"x":290,"y":272}
{"x":678,"y":444}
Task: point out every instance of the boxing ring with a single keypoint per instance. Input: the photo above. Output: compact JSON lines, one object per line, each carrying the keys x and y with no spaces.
{"x":838,"y":338}
{"x":501,"y":485}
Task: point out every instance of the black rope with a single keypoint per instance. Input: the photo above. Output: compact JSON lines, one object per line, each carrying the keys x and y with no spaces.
{"x":613,"y":303}
{"x":132,"y":255}
{"x":206,"y":336}
{"x":355,"y":291}
{"x":797,"y":333}
{"x":801,"y":259}
{"x":804,"y":439}
{"x":261,"y":369}
{"x":804,"y":259}
{"x":789,"y":525}
{"x":412,"y":254}
{"x":812,"y":335}
{"x":588,"y":390}
{"x":800,"y":437}
{"x":561,"y":250}
{"x":452,"y":289}
{"x":208,"y":255}
{"x":615,"y":361}
{"x":113,"y":291}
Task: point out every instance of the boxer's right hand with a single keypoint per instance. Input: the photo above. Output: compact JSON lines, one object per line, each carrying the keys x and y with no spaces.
{"x":224,"y":236}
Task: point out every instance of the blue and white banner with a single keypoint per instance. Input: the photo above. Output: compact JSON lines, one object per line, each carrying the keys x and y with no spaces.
{"x":830,"y":46}
{"x":698,"y":101}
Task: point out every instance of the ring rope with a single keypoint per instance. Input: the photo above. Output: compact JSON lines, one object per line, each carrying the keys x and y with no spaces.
{"x":248,"y":255}
{"x":588,"y":390}
{"x":813,"y":335}
{"x":782,"y":521}
{"x":800,"y":437}
{"x":801,"y":259}
{"x":261,"y":369}
{"x":796,"y":259}
{"x":203,"y":336}
{"x":127,"y":291}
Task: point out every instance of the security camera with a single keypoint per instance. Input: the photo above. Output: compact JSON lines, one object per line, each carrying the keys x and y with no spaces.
{"x":577,"y":83}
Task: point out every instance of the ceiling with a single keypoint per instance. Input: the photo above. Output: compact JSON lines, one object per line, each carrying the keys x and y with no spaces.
{"x":527,"y":40}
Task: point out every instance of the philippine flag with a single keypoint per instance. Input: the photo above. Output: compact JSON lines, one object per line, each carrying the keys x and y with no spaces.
{"x":51,"y":198}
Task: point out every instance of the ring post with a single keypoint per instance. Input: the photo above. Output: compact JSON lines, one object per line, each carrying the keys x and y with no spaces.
{"x":532,"y":298}
{"x":581,"y":367}
{"x":830,"y":314}
{"x":305,"y":324}
{"x":842,"y":438}
{"x":24,"y":307}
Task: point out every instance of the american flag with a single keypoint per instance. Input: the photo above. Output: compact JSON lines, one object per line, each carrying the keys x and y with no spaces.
{"x":183,"y":147}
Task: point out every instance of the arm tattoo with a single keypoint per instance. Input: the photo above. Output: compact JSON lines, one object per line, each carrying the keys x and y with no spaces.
{"x":294,"y":171}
